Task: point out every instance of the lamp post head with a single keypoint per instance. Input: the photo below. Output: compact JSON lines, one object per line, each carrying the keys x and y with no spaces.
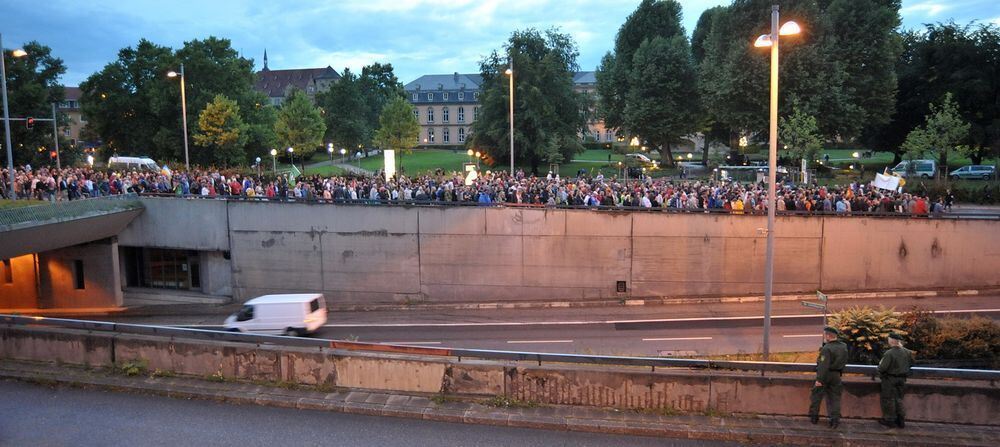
{"x":343,"y":151}
{"x":856,"y":155}
{"x":508,"y":72}
{"x":172,"y":74}
{"x":290,"y":150}
{"x":274,"y":152}
{"x":478,"y":154}
{"x":790,"y":28}
{"x":469,"y":152}
{"x":258,"y":160}
{"x":19,"y":53}
{"x":764,"y":41}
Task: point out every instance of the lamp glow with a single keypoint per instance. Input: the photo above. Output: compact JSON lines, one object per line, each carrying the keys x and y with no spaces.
{"x":789,"y":29}
{"x":19,"y":53}
{"x":763,"y":41}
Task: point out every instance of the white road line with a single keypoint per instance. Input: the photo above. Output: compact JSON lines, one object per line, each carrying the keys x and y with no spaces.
{"x":585,"y":322}
{"x":409,"y":342}
{"x":677,"y":339}
{"x":511,"y":342}
{"x":802,"y":335}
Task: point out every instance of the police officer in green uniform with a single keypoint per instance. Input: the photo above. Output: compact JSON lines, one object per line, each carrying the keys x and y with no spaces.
{"x":829,"y":367}
{"x":893,"y":370}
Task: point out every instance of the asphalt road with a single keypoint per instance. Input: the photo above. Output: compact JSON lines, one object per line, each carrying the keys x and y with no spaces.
{"x":32,"y":415}
{"x":667,"y":330}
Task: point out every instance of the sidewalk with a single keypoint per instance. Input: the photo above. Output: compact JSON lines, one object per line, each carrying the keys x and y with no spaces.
{"x":751,"y":429}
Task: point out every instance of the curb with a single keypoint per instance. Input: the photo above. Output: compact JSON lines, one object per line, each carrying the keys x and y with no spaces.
{"x":661,"y":301}
{"x":769,"y":432}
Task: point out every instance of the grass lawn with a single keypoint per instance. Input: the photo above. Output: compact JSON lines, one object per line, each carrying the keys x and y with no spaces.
{"x":326,"y":170}
{"x":8,"y":204}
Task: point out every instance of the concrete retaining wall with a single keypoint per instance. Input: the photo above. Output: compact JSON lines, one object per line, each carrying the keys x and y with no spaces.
{"x":686,"y":391}
{"x":381,"y":254}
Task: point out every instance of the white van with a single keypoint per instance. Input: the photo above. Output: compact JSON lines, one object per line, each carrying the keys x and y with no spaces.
{"x":921,"y":168}
{"x":129,"y":163}
{"x":292,"y":314}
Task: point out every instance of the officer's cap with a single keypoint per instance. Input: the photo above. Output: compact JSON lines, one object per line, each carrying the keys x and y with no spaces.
{"x":831,"y":330}
{"x":895,"y":336}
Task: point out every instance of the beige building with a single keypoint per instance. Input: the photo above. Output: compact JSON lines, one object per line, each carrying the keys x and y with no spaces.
{"x":71,"y":107}
{"x":277,"y":84}
{"x":447,"y":105}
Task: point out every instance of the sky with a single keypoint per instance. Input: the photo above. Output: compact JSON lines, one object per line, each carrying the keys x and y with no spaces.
{"x":417,"y":36}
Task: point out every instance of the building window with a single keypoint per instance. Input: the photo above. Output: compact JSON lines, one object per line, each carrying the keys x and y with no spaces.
{"x":66,"y":131}
{"x":416,"y":114}
{"x":444,"y":96}
{"x":461,"y":96}
{"x":461,"y":114}
{"x":475,"y":113}
{"x":430,"y":114}
{"x":78,"y":280}
{"x":608,"y":135}
{"x":446,"y":135}
{"x":475,"y":96}
{"x":416,"y":97}
{"x":8,"y":272}
{"x":444,"y":115}
{"x":430,"y":136}
{"x":461,"y":134}
{"x":430,"y":96}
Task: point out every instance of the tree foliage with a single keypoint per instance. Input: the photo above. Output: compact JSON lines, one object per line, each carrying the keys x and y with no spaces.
{"x":945,"y":130}
{"x":353,"y":105}
{"x":948,"y":58}
{"x":645,"y":85}
{"x":840,"y":66}
{"x":398,"y":128}
{"x":865,"y":331}
{"x":221,"y":133}
{"x":548,"y":112}
{"x":300,"y":125}
{"x":32,"y":87}
{"x":136,"y":109}
{"x":800,"y":134}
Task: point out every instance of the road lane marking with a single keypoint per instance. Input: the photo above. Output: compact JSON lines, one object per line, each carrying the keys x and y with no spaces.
{"x":802,"y":335}
{"x":409,"y":342}
{"x":677,"y":339}
{"x":510,"y":342}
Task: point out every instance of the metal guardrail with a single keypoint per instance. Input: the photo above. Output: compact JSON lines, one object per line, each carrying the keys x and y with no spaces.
{"x":63,"y":210}
{"x":539,"y":357}
{"x":435,"y":203}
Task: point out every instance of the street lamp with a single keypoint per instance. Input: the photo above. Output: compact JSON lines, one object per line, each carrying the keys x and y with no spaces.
{"x":329,"y":149}
{"x":274,"y":161}
{"x":510,"y":74}
{"x":771,"y":40}
{"x":6,"y":118}
{"x":184,"y":119}
{"x":291,"y":156}
{"x":469,"y":152}
{"x":478,"y":157}
{"x":258,"y":168}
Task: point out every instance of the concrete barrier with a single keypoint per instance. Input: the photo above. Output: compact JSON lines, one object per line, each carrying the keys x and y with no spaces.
{"x":361,"y":255}
{"x":963,"y":402}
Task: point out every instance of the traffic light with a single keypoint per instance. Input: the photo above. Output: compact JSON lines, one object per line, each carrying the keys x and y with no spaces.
{"x":29,"y":123}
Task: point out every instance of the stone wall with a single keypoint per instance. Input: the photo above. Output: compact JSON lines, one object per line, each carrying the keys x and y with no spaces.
{"x":382,"y":254}
{"x":965,"y":402}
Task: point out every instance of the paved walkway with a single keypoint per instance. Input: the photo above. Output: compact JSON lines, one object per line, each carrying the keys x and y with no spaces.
{"x":349,"y":167}
{"x":751,"y":429}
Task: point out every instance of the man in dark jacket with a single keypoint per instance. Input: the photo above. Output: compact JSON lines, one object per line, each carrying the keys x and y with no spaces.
{"x":893,"y":369}
{"x":829,"y":367}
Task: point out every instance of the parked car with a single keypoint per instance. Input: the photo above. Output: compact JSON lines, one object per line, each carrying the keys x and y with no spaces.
{"x":984,"y":172}
{"x":130,"y":163}
{"x":291,"y":314}
{"x":920,"y":168}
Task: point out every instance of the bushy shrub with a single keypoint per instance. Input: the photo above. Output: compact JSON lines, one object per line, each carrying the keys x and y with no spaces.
{"x":865,"y":330}
{"x":951,"y":338}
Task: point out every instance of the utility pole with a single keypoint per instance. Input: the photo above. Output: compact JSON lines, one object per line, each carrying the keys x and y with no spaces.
{"x":55,"y":136}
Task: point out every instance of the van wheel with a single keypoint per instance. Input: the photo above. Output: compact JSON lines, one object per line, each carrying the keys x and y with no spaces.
{"x":291,"y":332}
{"x":924,"y":176}
{"x":954,"y":178}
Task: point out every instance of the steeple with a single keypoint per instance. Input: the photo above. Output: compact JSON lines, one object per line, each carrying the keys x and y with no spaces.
{"x":265,"y":59}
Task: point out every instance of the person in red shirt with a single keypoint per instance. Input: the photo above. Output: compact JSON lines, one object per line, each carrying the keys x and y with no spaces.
{"x":920,"y":207}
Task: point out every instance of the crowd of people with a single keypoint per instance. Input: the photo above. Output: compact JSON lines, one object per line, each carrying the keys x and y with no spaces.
{"x":492,"y":188}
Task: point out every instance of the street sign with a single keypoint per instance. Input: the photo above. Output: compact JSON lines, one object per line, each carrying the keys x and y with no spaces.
{"x":822,"y":296}
{"x":814,"y":305}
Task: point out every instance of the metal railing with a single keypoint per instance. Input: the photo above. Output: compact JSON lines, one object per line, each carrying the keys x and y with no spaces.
{"x":74,"y":209}
{"x":712,"y":211}
{"x":485,"y":354}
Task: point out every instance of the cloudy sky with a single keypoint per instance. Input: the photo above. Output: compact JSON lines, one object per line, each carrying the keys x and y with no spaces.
{"x":416,"y":36}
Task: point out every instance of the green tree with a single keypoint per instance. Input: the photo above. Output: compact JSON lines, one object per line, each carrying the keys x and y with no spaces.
{"x":944,"y":131}
{"x":548,"y":112}
{"x":136,"y":109}
{"x":346,"y":112}
{"x":800,"y":133}
{"x":380,"y":86}
{"x":222,"y":133}
{"x":32,"y":87}
{"x":300,"y":125}
{"x":398,"y":128}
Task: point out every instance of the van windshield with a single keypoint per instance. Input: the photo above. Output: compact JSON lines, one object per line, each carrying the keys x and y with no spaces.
{"x":245,"y":313}
{"x":314,"y":305}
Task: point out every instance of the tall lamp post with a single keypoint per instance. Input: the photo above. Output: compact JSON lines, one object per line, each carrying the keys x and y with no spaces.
{"x":6,"y":117}
{"x":329,"y":149}
{"x":184,"y":115}
{"x":771,"y":40}
{"x":274,"y":161}
{"x":510,"y":81}
{"x":291,"y":156}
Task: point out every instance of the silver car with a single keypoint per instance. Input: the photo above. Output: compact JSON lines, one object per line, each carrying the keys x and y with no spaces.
{"x":984,"y":172}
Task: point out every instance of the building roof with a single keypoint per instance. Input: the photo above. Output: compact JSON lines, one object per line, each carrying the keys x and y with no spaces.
{"x":274,"y":83}
{"x":72,"y":93}
{"x":454,"y":81}
{"x":585,"y":77}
